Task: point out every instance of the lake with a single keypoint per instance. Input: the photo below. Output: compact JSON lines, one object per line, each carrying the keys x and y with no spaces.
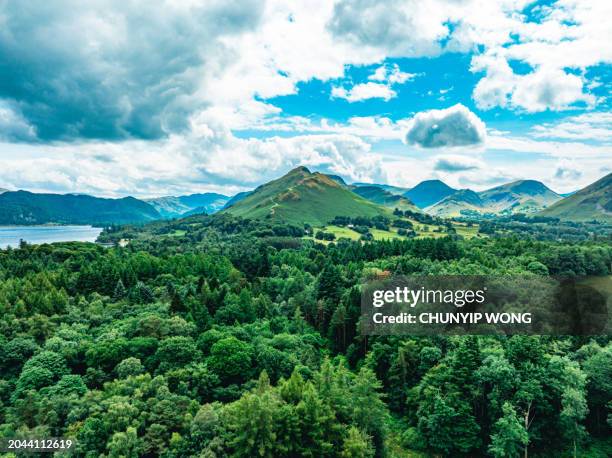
{"x":10,"y":235}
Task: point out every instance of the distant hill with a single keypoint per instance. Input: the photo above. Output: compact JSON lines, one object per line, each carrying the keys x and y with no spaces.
{"x":380,"y":196}
{"x":237,"y":198}
{"x":453,"y":205}
{"x":338,"y":179}
{"x":429,"y":192}
{"x":303,"y":197}
{"x":591,"y":203}
{"x":523,"y":196}
{"x":175,"y":207}
{"x":22,"y":207}
{"x":387,"y":187}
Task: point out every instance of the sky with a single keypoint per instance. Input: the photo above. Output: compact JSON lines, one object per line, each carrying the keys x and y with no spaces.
{"x":116,"y":98}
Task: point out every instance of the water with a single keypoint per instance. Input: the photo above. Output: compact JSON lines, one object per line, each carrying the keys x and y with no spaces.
{"x":10,"y":235}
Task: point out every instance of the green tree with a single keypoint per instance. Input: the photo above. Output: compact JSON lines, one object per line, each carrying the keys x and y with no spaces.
{"x":509,"y":437}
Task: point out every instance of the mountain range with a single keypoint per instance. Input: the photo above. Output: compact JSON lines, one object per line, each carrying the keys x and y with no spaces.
{"x":22,"y":207}
{"x":302,"y":196}
{"x":181,"y":206}
{"x":523,"y":196}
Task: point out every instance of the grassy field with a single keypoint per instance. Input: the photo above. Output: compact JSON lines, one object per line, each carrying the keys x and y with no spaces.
{"x":422,"y":230}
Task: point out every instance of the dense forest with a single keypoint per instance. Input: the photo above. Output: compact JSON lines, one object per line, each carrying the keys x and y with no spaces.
{"x":224,"y":337}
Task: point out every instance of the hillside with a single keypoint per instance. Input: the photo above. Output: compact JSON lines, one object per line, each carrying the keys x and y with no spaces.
{"x":237,"y":198}
{"x":22,"y":207}
{"x":303,"y":197}
{"x":380,"y":196}
{"x":453,"y":205}
{"x":428,"y":192}
{"x":523,"y":196}
{"x":591,"y":203}
{"x":387,"y":187}
{"x":174,"y":207}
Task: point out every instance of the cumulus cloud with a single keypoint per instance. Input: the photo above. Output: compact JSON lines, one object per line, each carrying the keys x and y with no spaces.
{"x":209,"y":158}
{"x":364,"y":91}
{"x":13,"y":126}
{"x":455,"y":163}
{"x":397,"y":28}
{"x":587,"y":126}
{"x":451,"y":127}
{"x":391,"y":75}
{"x":567,"y":170}
{"x":111,"y":69}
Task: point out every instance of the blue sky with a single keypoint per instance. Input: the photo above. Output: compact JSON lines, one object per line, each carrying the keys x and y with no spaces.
{"x":222,"y":96}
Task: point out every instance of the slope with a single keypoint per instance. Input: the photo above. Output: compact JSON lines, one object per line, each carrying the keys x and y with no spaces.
{"x":303,"y":197}
{"x":380,"y":196}
{"x":22,"y":207}
{"x":591,"y":203}
{"x":428,"y":192}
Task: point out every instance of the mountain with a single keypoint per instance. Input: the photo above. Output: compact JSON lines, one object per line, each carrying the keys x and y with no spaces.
{"x":428,"y":192}
{"x":386,"y":187}
{"x":338,"y":179}
{"x":380,"y":196}
{"x":456,"y":203}
{"x":23,"y":207}
{"x":523,"y":196}
{"x":174,"y":207}
{"x":303,"y":197}
{"x":591,"y":203}
{"x":237,"y":198}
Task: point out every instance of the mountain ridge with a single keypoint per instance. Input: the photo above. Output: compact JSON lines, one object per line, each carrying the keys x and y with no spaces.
{"x":593,"y":202}
{"x":300,"y":197}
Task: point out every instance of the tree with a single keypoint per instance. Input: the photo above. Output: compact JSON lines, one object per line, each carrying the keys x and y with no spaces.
{"x":231,"y":359}
{"x":356,"y":445}
{"x":574,"y":405}
{"x":125,"y":444}
{"x":510,"y":436}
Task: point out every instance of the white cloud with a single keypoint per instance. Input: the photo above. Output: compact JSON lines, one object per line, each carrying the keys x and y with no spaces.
{"x":13,"y":126}
{"x":364,"y":91}
{"x":587,"y":126}
{"x":547,"y":88}
{"x":451,"y":127}
{"x":391,"y":75}
{"x":457,"y":163}
{"x":210,"y":158}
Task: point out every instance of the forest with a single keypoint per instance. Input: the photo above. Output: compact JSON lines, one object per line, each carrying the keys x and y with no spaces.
{"x":227,"y":337}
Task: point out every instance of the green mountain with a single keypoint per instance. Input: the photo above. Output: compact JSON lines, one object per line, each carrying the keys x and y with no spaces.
{"x":591,"y":203}
{"x":386,"y":187}
{"x":303,"y":197}
{"x":237,"y":198}
{"x":175,"y":207}
{"x":458,"y":202}
{"x":380,"y":196}
{"x":22,"y":207}
{"x":523,"y":196}
{"x":428,"y":192}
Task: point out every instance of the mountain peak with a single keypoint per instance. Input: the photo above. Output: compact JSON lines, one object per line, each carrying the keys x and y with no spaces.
{"x":429,"y":192}
{"x":530,"y":187}
{"x":299,"y":170}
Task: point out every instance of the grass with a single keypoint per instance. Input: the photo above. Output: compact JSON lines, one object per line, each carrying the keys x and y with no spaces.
{"x":422,"y":230}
